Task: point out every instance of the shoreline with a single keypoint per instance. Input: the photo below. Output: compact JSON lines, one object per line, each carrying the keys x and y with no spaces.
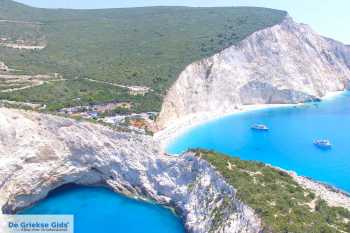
{"x":166,"y":136}
{"x":332,"y":195}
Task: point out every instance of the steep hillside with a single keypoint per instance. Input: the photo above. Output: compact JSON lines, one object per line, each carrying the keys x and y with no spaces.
{"x":287,"y":63}
{"x":211,"y":192}
{"x":138,"y":46}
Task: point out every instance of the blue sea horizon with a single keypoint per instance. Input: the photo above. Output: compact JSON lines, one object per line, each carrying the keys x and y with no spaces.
{"x":289,"y":142}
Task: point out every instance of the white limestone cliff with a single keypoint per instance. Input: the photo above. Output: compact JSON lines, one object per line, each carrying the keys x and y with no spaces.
{"x":39,"y":153}
{"x":286,"y":63}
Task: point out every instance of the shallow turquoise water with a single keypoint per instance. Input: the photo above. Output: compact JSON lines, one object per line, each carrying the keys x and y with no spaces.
{"x":288,"y":144}
{"x":99,"y":210}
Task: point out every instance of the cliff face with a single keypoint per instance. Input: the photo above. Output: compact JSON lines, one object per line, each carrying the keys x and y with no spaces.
{"x":39,"y":153}
{"x":286,"y":63}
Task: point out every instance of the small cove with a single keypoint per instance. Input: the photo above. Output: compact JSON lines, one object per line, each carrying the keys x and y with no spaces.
{"x":288,"y":144}
{"x":97,"y":209}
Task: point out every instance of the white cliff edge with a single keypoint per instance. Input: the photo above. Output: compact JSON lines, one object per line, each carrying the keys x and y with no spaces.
{"x":280,"y":66}
{"x":285,"y":64}
{"x":39,"y":153}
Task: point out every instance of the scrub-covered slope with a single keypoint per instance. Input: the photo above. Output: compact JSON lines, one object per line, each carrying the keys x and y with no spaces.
{"x":138,"y":46}
{"x":286,"y":63}
{"x":280,"y":199}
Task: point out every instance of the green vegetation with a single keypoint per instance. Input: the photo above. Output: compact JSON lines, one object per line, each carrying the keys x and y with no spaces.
{"x":19,"y":31}
{"x":283,"y":204}
{"x":138,"y":46}
{"x":76,"y":92}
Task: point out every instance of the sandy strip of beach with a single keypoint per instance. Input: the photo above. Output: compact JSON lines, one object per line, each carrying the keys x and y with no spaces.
{"x":177,"y":128}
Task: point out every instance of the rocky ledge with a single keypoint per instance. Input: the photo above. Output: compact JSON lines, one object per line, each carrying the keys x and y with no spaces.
{"x":40,"y":153}
{"x":285,"y":64}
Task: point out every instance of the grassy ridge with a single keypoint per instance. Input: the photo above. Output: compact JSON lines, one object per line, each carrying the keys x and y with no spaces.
{"x":283,"y":204}
{"x":137,"y":46}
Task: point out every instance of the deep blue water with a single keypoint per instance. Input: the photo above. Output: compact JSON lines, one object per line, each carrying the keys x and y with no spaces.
{"x":99,"y":210}
{"x":288,"y":144}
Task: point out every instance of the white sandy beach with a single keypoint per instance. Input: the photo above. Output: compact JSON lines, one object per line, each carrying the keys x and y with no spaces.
{"x":176,"y":129}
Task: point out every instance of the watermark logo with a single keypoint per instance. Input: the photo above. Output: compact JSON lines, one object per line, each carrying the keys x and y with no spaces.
{"x":36,"y":223}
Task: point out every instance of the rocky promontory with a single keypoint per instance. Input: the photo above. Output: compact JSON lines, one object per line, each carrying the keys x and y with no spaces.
{"x":285,"y":64}
{"x":40,"y":153}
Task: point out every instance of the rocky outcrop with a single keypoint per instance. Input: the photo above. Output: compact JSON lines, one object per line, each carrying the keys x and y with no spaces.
{"x":39,"y":153}
{"x":22,"y":46}
{"x":286,"y":63}
{"x":3,"y":66}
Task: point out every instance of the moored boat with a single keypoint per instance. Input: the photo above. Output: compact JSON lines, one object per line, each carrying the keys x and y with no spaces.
{"x":259,"y":127}
{"x":323,"y":143}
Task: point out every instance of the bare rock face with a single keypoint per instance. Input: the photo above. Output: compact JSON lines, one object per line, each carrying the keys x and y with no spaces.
{"x":286,"y":63}
{"x":39,"y":153}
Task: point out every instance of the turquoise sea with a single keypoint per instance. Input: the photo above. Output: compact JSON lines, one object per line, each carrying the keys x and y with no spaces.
{"x":99,"y":210}
{"x":288,"y":144}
